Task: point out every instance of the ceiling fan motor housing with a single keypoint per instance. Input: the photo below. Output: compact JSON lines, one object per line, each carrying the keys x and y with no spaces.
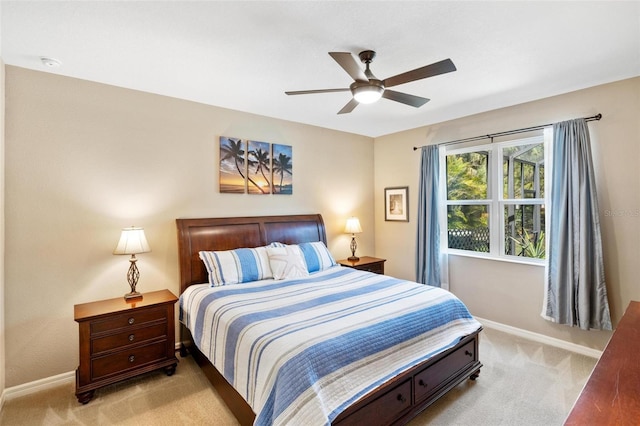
{"x":366,"y":56}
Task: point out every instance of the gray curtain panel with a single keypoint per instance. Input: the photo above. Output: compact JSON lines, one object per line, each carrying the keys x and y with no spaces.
{"x":576,"y":291}
{"x":428,"y":252}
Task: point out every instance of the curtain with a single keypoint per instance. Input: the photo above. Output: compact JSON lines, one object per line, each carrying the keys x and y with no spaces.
{"x":575,"y":292}
{"x":430,"y":261}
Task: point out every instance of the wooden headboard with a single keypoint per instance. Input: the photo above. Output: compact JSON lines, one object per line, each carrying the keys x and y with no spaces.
{"x":228,"y":233}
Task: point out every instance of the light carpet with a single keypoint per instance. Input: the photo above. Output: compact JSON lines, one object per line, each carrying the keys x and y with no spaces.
{"x":522,"y":383}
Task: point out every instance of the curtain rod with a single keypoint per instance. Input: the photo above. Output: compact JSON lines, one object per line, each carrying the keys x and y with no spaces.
{"x":508,"y":132}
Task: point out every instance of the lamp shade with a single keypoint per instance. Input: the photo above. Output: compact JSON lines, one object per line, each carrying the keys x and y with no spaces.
{"x":353,"y":226}
{"x":132,"y":241}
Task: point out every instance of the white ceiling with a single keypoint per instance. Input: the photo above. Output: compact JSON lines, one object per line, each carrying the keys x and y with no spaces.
{"x":244,"y":55}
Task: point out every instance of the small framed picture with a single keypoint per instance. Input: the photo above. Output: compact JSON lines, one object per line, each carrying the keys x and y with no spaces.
{"x":396,"y":204}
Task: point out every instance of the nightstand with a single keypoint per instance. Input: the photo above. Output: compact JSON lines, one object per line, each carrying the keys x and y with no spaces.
{"x":366,"y":263}
{"x":121,"y":339}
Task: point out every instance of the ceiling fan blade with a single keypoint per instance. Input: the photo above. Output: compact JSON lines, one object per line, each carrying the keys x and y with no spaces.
{"x":309,"y":92}
{"x":349,"y":64}
{"x":437,"y":68}
{"x":405,"y":98}
{"x":348,"y":107}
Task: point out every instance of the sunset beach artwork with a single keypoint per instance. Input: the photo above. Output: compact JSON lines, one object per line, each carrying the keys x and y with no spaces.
{"x":282,"y":169}
{"x":255,"y":167}
{"x":259,"y":168}
{"x":233,"y":167}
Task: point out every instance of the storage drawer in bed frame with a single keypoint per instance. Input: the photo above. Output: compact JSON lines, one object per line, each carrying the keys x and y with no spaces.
{"x":418,"y":388}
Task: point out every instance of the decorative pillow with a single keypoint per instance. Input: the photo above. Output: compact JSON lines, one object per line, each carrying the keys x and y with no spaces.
{"x":236,"y":266}
{"x":317,"y":256}
{"x":276,"y":244}
{"x":287,"y":262}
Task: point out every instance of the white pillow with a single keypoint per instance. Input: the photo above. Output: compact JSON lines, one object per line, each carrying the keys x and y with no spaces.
{"x":287,"y":262}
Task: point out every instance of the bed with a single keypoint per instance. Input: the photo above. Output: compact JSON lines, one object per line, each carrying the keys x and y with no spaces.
{"x":388,"y":388}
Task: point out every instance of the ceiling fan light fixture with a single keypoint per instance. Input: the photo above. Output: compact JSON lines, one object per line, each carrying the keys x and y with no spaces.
{"x":367,"y":93}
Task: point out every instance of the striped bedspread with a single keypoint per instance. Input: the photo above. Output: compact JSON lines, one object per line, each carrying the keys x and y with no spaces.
{"x":301,"y":351}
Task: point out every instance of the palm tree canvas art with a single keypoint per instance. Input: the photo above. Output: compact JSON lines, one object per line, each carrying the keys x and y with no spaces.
{"x":233,"y":167}
{"x":259,"y":168}
{"x":282,"y":169}
{"x":255,"y":167}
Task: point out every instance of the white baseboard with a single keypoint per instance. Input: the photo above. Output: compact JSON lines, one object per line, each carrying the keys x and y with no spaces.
{"x":541,"y":338}
{"x":42,"y":384}
{"x":38,"y":385}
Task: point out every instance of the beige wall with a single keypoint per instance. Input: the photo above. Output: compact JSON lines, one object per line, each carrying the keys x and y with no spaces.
{"x":2,"y":299}
{"x":85,"y":160}
{"x":512,"y":293}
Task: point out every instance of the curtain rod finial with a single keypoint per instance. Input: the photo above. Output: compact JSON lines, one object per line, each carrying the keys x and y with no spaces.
{"x":415,"y":148}
{"x":598,"y":116}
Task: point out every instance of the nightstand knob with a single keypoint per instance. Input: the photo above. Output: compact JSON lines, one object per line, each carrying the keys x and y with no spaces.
{"x":131,"y":321}
{"x":131,"y":337}
{"x":132,"y":358}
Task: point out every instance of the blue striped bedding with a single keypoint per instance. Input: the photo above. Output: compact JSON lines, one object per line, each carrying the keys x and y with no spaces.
{"x":300,"y":351}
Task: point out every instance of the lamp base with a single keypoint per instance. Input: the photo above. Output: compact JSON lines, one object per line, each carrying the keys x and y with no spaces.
{"x":354,"y":247}
{"x":133,"y":295}
{"x":132,"y":278}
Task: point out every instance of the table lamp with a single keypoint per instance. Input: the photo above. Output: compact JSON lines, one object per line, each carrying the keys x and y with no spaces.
{"x":353,"y":228}
{"x":132,"y":241}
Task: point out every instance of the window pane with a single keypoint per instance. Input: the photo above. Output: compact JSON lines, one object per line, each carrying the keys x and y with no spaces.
{"x":467,"y":176}
{"x":523,"y":171}
{"x":468,"y":228}
{"x":524,"y":230}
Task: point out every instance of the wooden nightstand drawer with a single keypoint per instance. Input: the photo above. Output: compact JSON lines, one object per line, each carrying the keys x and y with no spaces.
{"x":365,"y":263}
{"x":376,"y":268}
{"x":128,"y":320}
{"x":128,"y":337}
{"x":127,"y":360}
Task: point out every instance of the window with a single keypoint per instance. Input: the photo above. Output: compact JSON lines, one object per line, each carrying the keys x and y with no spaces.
{"x":496,"y":199}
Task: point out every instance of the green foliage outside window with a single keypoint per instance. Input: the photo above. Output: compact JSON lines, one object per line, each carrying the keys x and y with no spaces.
{"x":530,"y":245}
{"x":467,"y":180}
{"x":523,"y":179}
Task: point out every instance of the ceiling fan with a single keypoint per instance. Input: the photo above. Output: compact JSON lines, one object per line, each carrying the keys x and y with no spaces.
{"x":367,"y":88}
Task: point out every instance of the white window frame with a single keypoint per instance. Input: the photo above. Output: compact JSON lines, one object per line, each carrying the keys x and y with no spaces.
{"x":496,"y":204}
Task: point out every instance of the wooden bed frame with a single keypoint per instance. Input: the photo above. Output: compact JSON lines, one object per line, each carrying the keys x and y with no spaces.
{"x":395,"y":402}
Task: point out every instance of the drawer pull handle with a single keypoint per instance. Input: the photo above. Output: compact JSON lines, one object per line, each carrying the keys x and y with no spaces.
{"x":422,"y":383}
{"x":131,"y":321}
{"x":132,"y":358}
{"x":468,"y":353}
{"x":401,"y":398}
{"x":131,"y":337}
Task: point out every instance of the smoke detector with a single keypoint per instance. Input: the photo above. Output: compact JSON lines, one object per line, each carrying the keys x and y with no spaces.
{"x":50,"y":62}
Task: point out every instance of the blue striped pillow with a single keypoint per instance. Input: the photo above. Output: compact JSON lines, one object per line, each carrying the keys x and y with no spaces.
{"x":236,"y":266}
{"x":317,"y":256}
